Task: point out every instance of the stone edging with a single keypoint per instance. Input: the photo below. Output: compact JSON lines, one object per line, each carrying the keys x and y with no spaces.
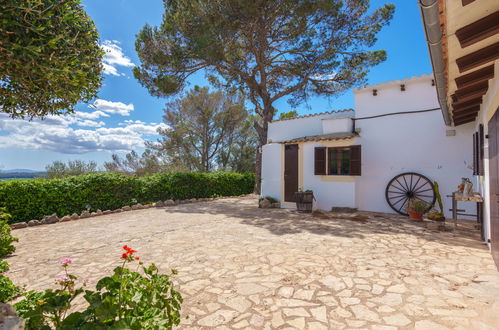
{"x":50,"y":219}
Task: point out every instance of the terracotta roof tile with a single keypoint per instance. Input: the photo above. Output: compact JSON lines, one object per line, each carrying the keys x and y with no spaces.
{"x":323,"y":137}
{"x":315,"y":114}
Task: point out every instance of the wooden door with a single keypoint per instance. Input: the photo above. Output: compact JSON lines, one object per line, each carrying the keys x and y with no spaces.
{"x":290,"y":172}
{"x":494,"y":185}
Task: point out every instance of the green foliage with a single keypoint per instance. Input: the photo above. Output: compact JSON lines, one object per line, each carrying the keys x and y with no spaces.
{"x":6,"y":238}
{"x":33,"y":199}
{"x":146,"y":164}
{"x":50,"y":57}
{"x":8,"y":290}
{"x":205,"y":131}
{"x":268,"y":49}
{"x":439,"y":197}
{"x":288,"y":115}
{"x":60,"y":169}
{"x":418,"y":206}
{"x":125,"y":300}
{"x":271,"y":199}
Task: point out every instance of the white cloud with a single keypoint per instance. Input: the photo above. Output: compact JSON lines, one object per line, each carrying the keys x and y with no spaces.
{"x":57,"y":134}
{"x":119,"y":108}
{"x":90,"y":123}
{"x":141,"y":129}
{"x":90,"y":115}
{"x":114,"y":57}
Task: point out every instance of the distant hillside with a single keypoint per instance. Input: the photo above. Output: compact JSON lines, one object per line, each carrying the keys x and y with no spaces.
{"x":19,"y":170}
{"x":20,"y":174}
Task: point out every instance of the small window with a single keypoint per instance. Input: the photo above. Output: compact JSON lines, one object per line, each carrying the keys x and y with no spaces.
{"x":339,"y":161}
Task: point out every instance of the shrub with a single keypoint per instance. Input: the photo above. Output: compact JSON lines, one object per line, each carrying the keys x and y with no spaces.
{"x":33,"y":199}
{"x":126,"y":300}
{"x":6,"y":238}
{"x":8,"y":290}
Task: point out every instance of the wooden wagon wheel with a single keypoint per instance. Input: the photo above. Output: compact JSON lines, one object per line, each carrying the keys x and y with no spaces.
{"x":408,"y":186}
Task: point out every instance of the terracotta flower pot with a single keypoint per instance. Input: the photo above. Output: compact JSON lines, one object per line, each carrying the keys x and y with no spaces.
{"x":414,"y":215}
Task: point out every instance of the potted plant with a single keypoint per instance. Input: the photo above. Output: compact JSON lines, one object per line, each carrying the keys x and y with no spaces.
{"x":416,"y":208}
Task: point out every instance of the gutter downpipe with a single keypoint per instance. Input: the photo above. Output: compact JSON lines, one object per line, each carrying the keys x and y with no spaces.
{"x":431,"y":22}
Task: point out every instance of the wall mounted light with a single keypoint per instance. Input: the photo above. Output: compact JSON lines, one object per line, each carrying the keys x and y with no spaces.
{"x":402,"y":87}
{"x":375,"y":92}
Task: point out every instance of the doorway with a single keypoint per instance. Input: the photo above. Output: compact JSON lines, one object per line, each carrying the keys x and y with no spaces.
{"x":290,"y":172}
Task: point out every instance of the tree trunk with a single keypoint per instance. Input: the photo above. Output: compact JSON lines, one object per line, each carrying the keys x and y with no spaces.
{"x":262,"y":131}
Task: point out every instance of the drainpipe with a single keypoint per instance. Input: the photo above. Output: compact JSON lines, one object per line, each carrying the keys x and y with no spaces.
{"x":431,"y":22}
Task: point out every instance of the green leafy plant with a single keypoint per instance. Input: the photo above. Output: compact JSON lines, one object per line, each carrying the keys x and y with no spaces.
{"x":417,"y":205}
{"x":127,"y":299}
{"x":8,"y":290}
{"x":33,"y":199}
{"x":50,"y":59}
{"x":272,"y":199}
{"x":6,"y":239}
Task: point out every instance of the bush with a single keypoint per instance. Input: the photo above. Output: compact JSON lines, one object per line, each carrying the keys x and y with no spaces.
{"x":6,"y":238}
{"x":8,"y":290}
{"x":125,"y":300}
{"x":33,"y":199}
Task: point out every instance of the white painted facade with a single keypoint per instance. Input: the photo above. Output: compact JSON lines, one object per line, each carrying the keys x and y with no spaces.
{"x":407,"y":142}
{"x":488,"y":108}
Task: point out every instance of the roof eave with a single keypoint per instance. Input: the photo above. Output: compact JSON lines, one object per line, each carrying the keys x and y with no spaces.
{"x":430,"y":14}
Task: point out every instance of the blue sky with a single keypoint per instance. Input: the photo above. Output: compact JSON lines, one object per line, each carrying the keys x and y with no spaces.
{"x":125,"y":114}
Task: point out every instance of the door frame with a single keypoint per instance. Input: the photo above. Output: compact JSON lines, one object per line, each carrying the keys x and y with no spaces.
{"x":493,"y":173}
{"x":300,"y":172}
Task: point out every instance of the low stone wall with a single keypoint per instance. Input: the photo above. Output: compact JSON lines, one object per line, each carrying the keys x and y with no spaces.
{"x":50,"y":219}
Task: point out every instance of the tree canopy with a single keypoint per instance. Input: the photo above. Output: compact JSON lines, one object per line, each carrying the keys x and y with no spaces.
{"x":132,"y":163}
{"x":58,"y":169}
{"x":270,"y":49}
{"x":50,"y":57}
{"x":288,"y":115}
{"x":206,"y":131}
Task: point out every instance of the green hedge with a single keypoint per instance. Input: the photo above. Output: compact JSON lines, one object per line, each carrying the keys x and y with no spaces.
{"x":33,"y":199}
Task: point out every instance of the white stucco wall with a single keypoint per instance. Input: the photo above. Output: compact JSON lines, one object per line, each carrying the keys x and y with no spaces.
{"x":271,"y":170}
{"x":337,"y":125}
{"x":282,"y":130}
{"x":390,"y":145}
{"x":327,"y":193}
{"x":408,"y":143}
{"x":489,"y":106}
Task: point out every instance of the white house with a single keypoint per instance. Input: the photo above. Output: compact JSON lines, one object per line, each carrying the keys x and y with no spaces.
{"x":347,"y":158}
{"x":444,"y":127}
{"x":463,"y":41}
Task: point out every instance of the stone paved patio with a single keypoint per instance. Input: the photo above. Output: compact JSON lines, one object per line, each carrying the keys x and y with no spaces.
{"x":243,"y":267}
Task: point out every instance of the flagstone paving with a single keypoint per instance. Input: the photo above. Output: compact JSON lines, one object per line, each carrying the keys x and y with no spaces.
{"x":241,"y":267}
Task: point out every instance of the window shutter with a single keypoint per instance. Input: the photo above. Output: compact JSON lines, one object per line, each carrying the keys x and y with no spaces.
{"x":475,"y":153}
{"x":481,"y":143}
{"x":320,"y":161}
{"x":355,"y":160}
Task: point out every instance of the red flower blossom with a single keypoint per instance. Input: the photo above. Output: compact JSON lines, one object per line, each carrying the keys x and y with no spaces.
{"x":129,"y":253}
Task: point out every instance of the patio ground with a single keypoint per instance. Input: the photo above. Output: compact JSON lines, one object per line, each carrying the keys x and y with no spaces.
{"x":244,"y":267}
